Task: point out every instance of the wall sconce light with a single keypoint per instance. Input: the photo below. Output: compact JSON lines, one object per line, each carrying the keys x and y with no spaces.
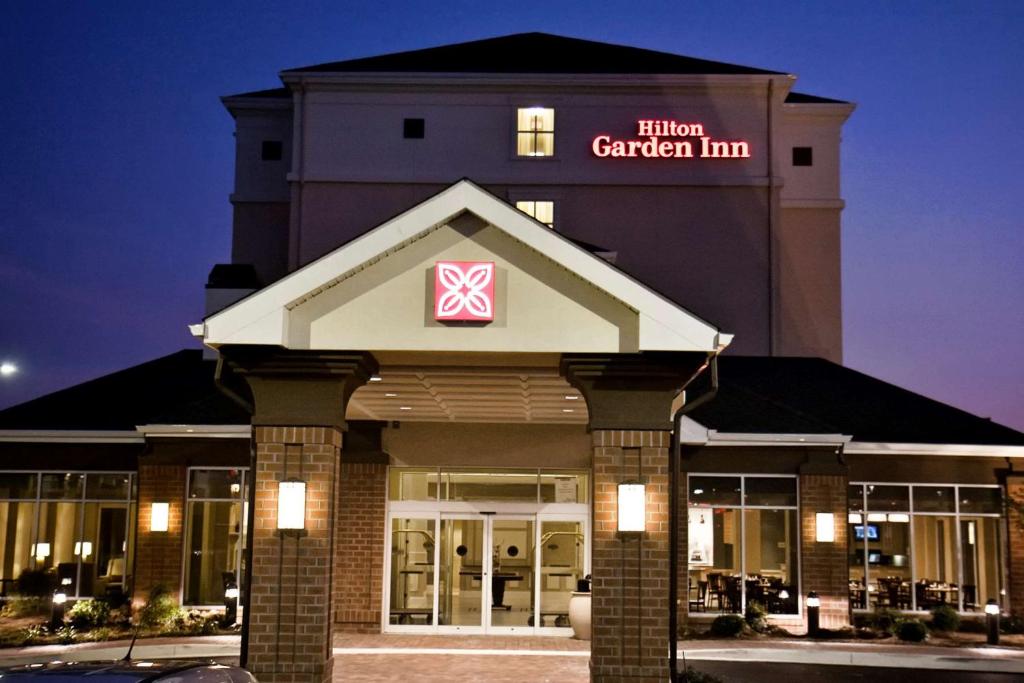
{"x":824,"y":527}
{"x":40,"y":551}
{"x":160,"y":515}
{"x":632,"y":508}
{"x":291,"y":506}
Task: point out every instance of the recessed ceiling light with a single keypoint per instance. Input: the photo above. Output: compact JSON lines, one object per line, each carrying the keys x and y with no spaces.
{"x":571,"y":397}
{"x":375,"y":378}
{"x":390,"y":394}
{"x":405,"y":407}
{"x":568,"y":410}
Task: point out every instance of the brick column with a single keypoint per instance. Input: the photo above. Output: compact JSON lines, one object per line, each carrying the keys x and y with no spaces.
{"x":290,"y":598}
{"x":358,"y":558}
{"x":299,"y":400}
{"x":158,"y":553}
{"x":1015,"y":544}
{"x":630,"y":590}
{"x":629,"y":400}
{"x":824,"y":566}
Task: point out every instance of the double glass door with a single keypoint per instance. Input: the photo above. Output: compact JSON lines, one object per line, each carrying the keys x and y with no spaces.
{"x":484,"y":573}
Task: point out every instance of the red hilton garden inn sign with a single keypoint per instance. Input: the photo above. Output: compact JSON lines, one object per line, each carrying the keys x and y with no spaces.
{"x":670,"y":140}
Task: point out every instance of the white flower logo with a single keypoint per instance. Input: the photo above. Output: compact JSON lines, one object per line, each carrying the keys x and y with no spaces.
{"x":464,"y":291}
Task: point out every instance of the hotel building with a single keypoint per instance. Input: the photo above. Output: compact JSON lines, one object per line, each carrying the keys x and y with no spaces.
{"x":477,"y":292}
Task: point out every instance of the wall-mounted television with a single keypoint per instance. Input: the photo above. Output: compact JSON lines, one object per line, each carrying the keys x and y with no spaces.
{"x":872,"y":532}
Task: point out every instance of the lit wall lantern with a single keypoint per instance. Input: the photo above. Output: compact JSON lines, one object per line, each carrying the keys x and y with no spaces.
{"x":160,"y":515}
{"x":824,"y":527}
{"x":632,"y":508}
{"x":291,"y":506}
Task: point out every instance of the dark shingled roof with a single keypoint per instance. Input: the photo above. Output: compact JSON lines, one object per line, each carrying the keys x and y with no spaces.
{"x":814,"y":396}
{"x":804,"y":98}
{"x":271,"y":94}
{"x":174,"y":389}
{"x":540,"y":53}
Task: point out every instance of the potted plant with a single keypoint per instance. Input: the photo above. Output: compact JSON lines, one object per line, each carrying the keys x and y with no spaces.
{"x":579,"y":609}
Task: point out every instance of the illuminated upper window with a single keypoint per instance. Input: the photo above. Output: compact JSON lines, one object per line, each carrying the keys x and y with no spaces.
{"x":535,"y":132}
{"x":543,"y":212}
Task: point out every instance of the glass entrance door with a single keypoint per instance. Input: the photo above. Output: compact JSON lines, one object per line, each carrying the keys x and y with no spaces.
{"x":484,"y":573}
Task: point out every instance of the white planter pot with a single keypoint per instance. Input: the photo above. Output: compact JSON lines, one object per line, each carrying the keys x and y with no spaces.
{"x":579,"y":615}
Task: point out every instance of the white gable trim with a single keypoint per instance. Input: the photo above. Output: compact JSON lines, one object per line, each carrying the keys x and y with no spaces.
{"x":262,"y":318}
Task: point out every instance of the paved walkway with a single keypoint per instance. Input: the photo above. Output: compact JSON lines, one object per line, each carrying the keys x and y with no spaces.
{"x":527,"y":659}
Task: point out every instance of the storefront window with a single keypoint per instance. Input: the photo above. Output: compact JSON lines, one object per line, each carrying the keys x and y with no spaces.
{"x":215,"y":534}
{"x":921,"y":546}
{"x":508,"y":485}
{"x":741,"y":553}
{"x":71,"y":528}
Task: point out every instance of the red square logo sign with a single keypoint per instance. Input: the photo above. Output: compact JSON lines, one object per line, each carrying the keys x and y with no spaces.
{"x":464,"y":290}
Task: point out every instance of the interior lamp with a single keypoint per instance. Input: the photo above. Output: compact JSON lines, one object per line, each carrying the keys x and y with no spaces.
{"x":160,"y":514}
{"x":824,"y":527}
{"x":632,"y":507}
{"x":40,"y":551}
{"x":291,"y":505}
{"x":83,"y":548}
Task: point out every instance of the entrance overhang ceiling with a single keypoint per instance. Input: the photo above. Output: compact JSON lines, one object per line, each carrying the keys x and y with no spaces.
{"x":329,"y":304}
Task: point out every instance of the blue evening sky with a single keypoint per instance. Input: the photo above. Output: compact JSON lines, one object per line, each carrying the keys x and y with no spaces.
{"x":117,"y":162}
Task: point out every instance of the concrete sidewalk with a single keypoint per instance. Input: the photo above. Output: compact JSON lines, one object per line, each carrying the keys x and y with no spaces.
{"x":899,"y":656}
{"x":204,"y":647}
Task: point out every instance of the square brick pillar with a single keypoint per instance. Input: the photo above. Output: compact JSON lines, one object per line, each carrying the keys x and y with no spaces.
{"x":824,"y":566}
{"x":629,"y":640}
{"x":290,"y":637}
{"x":1015,"y":544}
{"x":158,"y":553}
{"x":358,"y":557}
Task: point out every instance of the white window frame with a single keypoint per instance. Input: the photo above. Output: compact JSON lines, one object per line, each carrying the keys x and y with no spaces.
{"x":515,"y":132}
{"x":956,"y":515}
{"x":81,"y":501}
{"x":743,"y":533}
{"x":186,"y":519}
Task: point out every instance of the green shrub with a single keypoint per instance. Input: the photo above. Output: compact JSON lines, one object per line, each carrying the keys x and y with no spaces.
{"x":727,"y":626}
{"x":88,"y":614}
{"x":945,"y":618}
{"x":756,"y":617}
{"x":35,"y":583}
{"x":33,"y":634}
{"x":1011,"y":625}
{"x":160,"y":609}
{"x":26,"y":606}
{"x":65,"y":634}
{"x":197,"y":623}
{"x":911,"y":630}
{"x":884,"y":619}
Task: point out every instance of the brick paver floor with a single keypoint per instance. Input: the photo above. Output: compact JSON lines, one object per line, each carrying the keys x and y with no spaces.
{"x":429,"y":659}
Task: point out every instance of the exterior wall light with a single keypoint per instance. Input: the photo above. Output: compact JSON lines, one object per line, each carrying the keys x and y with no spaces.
{"x":291,"y":506}
{"x":160,"y":515}
{"x":813,"y":614}
{"x":992,"y":619}
{"x":632,"y":509}
{"x":824,"y":527}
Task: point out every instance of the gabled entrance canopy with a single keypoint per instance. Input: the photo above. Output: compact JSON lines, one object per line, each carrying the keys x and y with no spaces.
{"x":376,"y":292}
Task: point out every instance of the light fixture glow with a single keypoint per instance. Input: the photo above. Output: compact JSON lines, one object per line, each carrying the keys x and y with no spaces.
{"x":854,"y":518}
{"x":390,"y":394}
{"x":60,"y":597}
{"x":236,"y":488}
{"x":899,"y":517}
{"x":231,"y":593}
{"x":160,"y":515}
{"x":40,"y":551}
{"x":992,"y":607}
{"x":7,"y":369}
{"x":632,"y":507}
{"x":813,"y":600}
{"x":375,"y":378}
{"x":83,"y":548}
{"x":291,"y":505}
{"x":783,"y":594}
{"x":570,"y":397}
{"x":405,"y":407}
{"x":877,"y":517}
{"x":824,"y":527}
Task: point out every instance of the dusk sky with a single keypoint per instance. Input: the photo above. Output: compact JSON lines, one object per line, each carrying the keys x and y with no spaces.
{"x":118,"y":163}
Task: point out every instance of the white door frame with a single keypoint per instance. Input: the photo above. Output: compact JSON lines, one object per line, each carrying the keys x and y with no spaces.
{"x":434,"y":511}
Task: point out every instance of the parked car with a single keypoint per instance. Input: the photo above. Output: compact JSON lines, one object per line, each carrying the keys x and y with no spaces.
{"x":129,"y":671}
